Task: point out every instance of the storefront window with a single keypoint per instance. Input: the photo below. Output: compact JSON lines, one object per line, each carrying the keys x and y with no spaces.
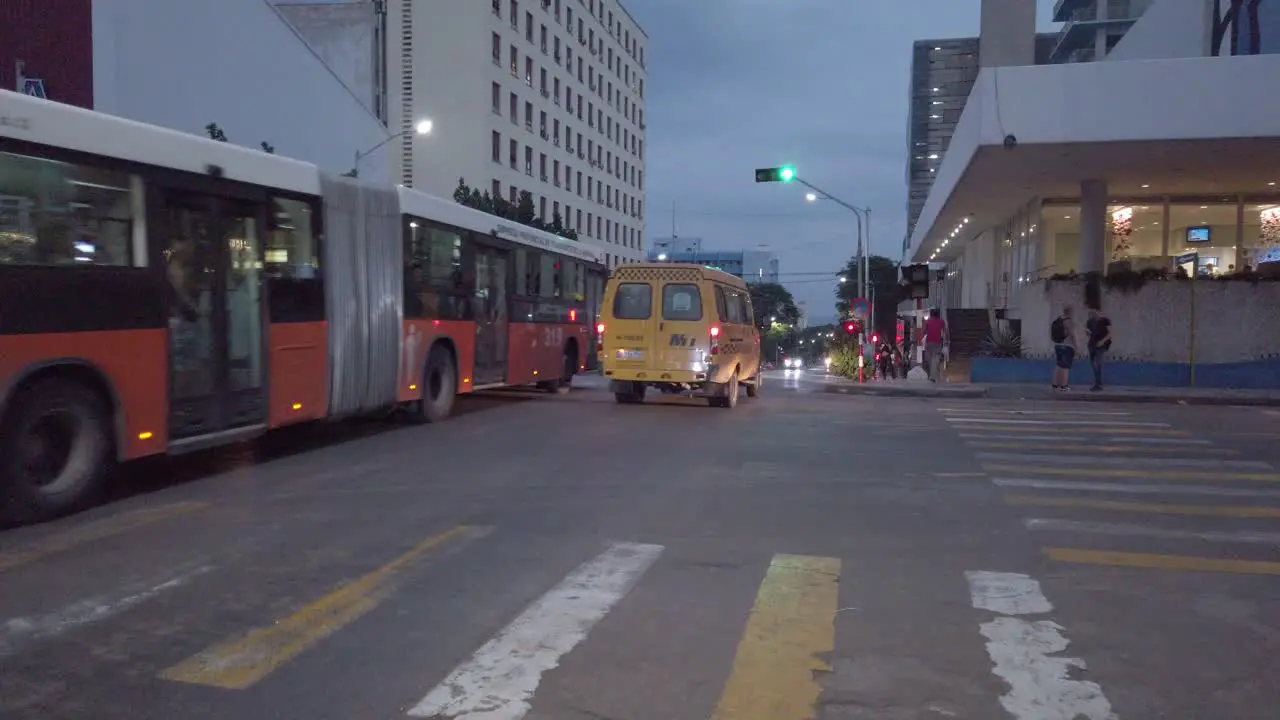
{"x":1207,"y":228}
{"x":1135,"y":234}
{"x":1061,"y":234}
{"x":1261,"y":233}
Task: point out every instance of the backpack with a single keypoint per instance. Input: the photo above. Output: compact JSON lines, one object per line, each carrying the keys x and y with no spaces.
{"x":1058,"y":331}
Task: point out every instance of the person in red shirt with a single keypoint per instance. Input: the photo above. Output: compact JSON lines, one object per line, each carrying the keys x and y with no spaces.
{"x":935,"y":339}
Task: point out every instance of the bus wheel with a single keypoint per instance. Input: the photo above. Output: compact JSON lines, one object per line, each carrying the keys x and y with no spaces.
{"x":439,"y":387}
{"x":753,"y":388}
{"x":55,"y":451}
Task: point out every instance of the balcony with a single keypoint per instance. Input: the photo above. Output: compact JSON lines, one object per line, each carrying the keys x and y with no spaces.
{"x":1064,"y":9}
{"x":1081,"y":34}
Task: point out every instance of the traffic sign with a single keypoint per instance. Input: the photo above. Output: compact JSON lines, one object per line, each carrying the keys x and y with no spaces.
{"x":861,"y":307}
{"x":34,"y":87}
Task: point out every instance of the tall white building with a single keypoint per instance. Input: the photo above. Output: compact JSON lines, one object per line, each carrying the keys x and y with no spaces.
{"x":546,"y":96}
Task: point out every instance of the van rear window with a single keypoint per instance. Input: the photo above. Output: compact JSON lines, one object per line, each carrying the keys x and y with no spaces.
{"x":681,"y":302}
{"x":633,"y":301}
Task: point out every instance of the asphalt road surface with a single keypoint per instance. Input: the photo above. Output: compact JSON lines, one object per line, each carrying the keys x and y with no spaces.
{"x":805,"y":555}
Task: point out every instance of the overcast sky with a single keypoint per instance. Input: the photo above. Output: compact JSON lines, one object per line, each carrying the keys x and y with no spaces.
{"x":822,"y":84}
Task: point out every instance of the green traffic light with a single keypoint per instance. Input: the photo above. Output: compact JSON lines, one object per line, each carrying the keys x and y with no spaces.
{"x":786,"y":174}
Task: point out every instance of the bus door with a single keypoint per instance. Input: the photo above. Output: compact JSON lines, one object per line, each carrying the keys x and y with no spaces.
{"x":210,"y":250}
{"x":492,"y":318}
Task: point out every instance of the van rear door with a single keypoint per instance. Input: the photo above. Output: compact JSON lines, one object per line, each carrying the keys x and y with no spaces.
{"x":631,"y":325}
{"x":683,"y":328}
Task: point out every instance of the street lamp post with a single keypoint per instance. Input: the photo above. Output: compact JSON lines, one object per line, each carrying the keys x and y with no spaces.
{"x":423,"y":127}
{"x":863,"y":216}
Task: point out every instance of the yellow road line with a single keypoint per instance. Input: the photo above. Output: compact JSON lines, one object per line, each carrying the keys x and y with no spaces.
{"x":95,"y":531}
{"x":239,"y":663}
{"x":1153,"y":508}
{"x":1206,"y":474}
{"x":1073,"y":430}
{"x":791,"y":624}
{"x":1152,"y":561}
{"x":1161,"y":451}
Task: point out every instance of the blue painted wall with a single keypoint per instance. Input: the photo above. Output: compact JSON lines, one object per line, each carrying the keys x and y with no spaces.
{"x":1255,"y":375}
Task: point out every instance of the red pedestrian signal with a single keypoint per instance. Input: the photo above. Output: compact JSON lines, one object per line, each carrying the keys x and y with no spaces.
{"x":875,"y":339}
{"x":850,"y":327}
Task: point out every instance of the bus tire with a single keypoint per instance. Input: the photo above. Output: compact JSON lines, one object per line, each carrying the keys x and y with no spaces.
{"x":55,"y":451}
{"x":439,"y":386}
{"x":753,"y":387}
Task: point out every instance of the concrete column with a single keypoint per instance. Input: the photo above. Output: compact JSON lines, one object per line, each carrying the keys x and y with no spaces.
{"x":1093,"y":226}
{"x":1007,"y":32}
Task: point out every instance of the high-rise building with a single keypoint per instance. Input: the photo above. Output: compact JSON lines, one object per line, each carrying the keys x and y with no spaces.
{"x":557,"y":109}
{"x":942,"y":74}
{"x":1093,"y":27}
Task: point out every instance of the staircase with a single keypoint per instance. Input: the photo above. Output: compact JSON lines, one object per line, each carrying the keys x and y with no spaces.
{"x":969,"y":329}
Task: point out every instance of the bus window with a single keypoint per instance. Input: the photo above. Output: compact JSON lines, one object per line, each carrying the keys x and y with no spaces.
{"x":437,"y":283}
{"x":292,"y":267}
{"x":56,"y":213}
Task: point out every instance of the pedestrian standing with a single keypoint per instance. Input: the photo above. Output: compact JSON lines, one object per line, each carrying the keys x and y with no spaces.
{"x":1063,"y":333}
{"x":1099,"y":328}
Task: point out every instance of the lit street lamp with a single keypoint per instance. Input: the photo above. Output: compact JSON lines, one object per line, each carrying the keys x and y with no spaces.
{"x":423,"y":127}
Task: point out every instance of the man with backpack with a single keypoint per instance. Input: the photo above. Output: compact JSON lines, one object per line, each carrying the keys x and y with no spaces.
{"x":1062,"y":332}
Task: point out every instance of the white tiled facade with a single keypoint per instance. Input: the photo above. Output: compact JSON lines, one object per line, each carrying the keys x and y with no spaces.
{"x":538,"y":95}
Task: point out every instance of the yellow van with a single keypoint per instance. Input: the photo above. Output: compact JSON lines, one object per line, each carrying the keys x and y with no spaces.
{"x":681,"y":329}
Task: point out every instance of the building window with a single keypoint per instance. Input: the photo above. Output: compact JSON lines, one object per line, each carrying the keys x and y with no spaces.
{"x":528,"y":116}
{"x":497,"y":50}
{"x":497,"y":146}
{"x":497,"y":99}
{"x":514,"y":104}
{"x":515,"y":61}
{"x":514,"y":154}
{"x":515,"y":15}
{"x":496,"y":191}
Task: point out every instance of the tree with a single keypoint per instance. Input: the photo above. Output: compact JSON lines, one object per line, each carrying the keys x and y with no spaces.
{"x":215,"y":133}
{"x":526,"y":214}
{"x":884,"y":286}
{"x":772,"y":301}
{"x":521,"y":211}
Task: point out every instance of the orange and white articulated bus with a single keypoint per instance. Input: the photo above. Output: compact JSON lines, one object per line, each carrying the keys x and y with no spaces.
{"x":162,"y":292}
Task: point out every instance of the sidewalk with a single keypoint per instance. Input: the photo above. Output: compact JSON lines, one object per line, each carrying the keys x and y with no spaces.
{"x":1180,"y":396}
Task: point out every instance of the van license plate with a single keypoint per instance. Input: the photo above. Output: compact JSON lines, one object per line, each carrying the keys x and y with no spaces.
{"x":630,"y":354}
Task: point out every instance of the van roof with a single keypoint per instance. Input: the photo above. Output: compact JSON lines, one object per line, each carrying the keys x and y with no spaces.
{"x":665,"y":270}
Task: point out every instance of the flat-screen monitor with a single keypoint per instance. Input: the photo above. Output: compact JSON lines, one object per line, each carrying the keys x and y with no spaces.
{"x":1199,"y":234}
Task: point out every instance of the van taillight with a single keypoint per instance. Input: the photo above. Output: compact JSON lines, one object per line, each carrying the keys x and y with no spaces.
{"x":600,"y":339}
{"x":715,"y":341}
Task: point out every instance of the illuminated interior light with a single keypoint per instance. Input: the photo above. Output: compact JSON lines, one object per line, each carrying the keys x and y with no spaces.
{"x":144,"y":436}
{"x":413,"y":387}
{"x":297,"y":406}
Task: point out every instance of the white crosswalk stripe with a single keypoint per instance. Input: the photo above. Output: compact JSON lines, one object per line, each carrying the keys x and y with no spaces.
{"x":1063,"y":468}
